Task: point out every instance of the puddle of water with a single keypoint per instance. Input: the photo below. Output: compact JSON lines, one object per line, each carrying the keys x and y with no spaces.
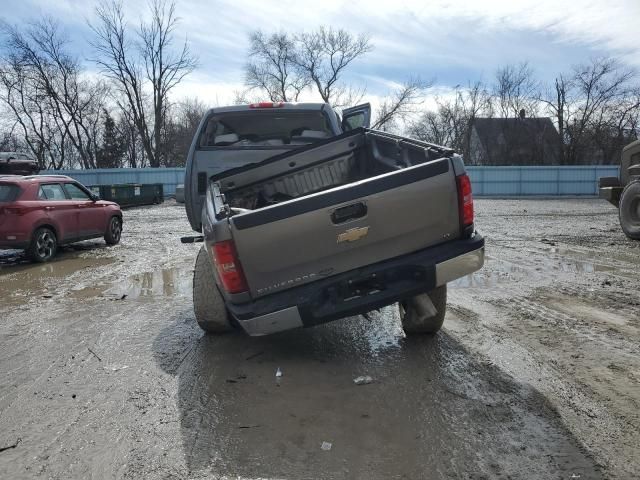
{"x":166,"y":282}
{"x":493,"y":273}
{"x":575,"y":261}
{"x":61,"y":266}
{"x":552,"y":260}
{"x":20,"y":280}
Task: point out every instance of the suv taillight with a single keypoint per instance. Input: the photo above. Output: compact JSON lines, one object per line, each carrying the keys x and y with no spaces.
{"x":465,"y":201}
{"x":228,"y":266}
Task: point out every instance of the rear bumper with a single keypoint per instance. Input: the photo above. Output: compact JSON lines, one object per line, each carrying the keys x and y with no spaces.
{"x":610,"y":190}
{"x":13,"y":246}
{"x":10,"y":240}
{"x":361,"y":290}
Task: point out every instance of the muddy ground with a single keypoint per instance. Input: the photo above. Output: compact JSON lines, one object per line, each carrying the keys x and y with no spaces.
{"x":536,"y":375}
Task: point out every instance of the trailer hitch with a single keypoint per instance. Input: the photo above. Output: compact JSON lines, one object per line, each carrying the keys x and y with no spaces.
{"x":193,"y":239}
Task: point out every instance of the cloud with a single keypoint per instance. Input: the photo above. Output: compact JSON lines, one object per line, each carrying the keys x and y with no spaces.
{"x":449,"y":41}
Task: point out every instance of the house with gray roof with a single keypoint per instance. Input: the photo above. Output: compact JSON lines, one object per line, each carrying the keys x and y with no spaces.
{"x":514,"y":141}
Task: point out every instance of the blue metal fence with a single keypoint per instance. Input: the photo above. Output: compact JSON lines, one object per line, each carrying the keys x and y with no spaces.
{"x":541,"y":181}
{"x":487,"y":181}
{"x":169,"y":177}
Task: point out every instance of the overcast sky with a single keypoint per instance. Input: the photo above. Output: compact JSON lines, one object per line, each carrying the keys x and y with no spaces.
{"x":449,"y":41}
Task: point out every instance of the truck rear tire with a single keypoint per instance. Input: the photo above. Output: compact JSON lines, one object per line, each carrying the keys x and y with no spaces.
{"x":417,"y":314}
{"x":208,"y":304}
{"x":630,"y":210}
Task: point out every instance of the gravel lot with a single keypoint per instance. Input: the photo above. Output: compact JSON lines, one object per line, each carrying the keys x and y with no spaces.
{"x":104,"y":374}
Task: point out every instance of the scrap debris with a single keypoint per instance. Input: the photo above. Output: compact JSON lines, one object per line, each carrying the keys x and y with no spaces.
{"x":9,"y":447}
{"x":94,"y":354}
{"x":364,"y":380}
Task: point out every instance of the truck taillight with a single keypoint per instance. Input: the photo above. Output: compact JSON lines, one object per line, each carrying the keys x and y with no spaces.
{"x":229,"y":268}
{"x":465,"y":200}
{"x":267,"y":105}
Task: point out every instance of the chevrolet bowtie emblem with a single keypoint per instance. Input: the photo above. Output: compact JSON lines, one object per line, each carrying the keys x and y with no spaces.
{"x":353,"y":234}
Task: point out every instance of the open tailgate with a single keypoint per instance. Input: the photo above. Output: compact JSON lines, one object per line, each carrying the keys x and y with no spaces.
{"x":340,"y":229}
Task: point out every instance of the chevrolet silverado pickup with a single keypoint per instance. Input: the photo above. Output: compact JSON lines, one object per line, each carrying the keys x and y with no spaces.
{"x":307,"y":217}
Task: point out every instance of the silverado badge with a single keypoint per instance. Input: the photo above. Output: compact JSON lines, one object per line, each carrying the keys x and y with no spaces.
{"x":353,"y":234}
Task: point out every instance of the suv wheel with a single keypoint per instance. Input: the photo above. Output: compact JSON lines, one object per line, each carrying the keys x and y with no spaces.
{"x":208,"y":304}
{"x":44,"y":245}
{"x":630,"y":210}
{"x":424,"y":313}
{"x":114,"y":231}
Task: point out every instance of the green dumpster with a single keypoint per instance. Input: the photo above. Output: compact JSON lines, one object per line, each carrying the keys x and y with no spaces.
{"x":130,"y":194}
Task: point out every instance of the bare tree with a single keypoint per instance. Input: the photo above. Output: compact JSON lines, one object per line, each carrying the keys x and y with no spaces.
{"x":134,"y":156}
{"x":323,"y":55}
{"x":56,"y":107}
{"x":600,"y":88}
{"x":145,"y":63}
{"x":181,"y":126}
{"x":400,"y":104}
{"x":450,"y":124}
{"x":272,"y":69}
{"x":9,"y":140}
{"x":515,"y":90}
{"x":283,"y":65}
{"x":596,"y":108}
{"x":556,"y":100}
{"x":28,"y":114}
{"x":244,"y":96}
{"x":616,"y":126}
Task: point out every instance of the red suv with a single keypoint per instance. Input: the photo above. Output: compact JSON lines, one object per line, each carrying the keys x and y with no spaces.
{"x":40,"y":213}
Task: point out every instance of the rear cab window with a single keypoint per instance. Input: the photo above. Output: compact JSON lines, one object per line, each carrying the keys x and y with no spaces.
{"x":264,"y":128}
{"x":9,"y":192}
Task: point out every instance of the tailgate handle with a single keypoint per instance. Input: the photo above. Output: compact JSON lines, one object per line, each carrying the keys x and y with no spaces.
{"x":350,"y":212}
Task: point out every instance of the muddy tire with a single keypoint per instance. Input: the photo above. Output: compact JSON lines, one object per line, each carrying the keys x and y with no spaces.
{"x":416,"y":318}
{"x":208,"y":304}
{"x":43,"y":246}
{"x":114,"y":231}
{"x":630,"y":210}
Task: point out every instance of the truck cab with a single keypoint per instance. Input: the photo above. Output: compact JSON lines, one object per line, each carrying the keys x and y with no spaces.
{"x":238,"y":135}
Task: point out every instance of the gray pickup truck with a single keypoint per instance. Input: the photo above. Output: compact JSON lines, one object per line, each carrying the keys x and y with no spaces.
{"x":308,"y":218}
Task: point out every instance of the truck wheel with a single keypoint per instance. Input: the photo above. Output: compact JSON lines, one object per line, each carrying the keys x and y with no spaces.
{"x":44,"y":245}
{"x":208,"y":304}
{"x":114,"y":231}
{"x":424,"y":313}
{"x":630,"y":210}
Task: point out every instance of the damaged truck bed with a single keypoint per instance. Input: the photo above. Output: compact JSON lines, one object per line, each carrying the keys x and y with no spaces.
{"x":335,"y":228}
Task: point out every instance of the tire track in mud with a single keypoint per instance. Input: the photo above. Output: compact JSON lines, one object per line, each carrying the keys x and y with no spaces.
{"x":566,"y":320}
{"x":570,"y":330}
{"x":526,"y":361}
